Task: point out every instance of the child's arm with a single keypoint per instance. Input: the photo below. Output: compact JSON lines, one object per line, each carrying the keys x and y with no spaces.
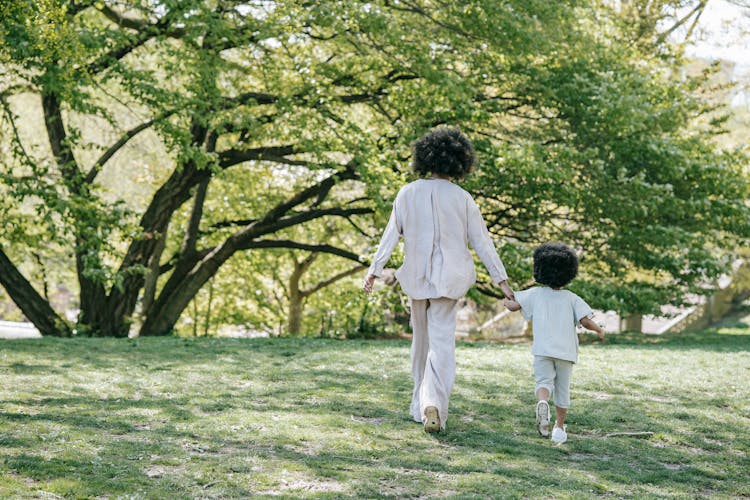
{"x":590,"y":324}
{"x":512,"y":305}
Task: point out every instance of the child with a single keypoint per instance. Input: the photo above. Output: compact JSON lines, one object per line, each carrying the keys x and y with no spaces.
{"x":554,"y":313}
{"x":438,"y":220}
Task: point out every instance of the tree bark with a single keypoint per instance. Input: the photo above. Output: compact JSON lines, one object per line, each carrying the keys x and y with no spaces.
{"x":296,"y":295}
{"x":33,"y":305}
{"x":97,"y":317}
{"x":152,"y":278}
{"x":144,"y":251}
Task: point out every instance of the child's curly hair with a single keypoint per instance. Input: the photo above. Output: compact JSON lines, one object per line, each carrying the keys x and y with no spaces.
{"x":443,"y":150}
{"x":555,"y":264}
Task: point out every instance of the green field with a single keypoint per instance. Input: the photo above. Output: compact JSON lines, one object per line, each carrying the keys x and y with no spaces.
{"x":186,"y":418}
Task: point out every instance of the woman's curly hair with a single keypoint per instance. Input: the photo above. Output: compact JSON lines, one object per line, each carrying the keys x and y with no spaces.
{"x":555,"y":264}
{"x":443,"y":150}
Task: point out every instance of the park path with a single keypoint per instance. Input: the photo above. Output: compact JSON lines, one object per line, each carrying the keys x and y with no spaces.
{"x":17,"y":330}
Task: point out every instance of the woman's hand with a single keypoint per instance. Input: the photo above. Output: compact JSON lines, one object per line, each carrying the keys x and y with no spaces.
{"x":367,"y":284}
{"x":507,"y":290}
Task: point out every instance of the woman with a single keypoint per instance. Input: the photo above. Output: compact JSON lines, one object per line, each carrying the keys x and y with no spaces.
{"x":438,"y":220}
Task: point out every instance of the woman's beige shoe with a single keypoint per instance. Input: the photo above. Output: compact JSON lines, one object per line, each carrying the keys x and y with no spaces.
{"x":432,"y":419}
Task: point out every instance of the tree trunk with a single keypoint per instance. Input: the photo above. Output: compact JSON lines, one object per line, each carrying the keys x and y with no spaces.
{"x":207,"y":323}
{"x":146,"y":250}
{"x":296,"y":296}
{"x":33,"y":305}
{"x":96,"y":316}
{"x":181,"y":288}
{"x":154,"y":223}
{"x":296,"y":307}
{"x":152,"y":278}
{"x":102,"y":318}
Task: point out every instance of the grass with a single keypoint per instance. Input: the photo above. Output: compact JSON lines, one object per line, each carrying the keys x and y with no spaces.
{"x":208,"y":418}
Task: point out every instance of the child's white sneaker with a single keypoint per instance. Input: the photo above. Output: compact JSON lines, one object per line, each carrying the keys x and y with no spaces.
{"x":559,"y":436}
{"x":542,"y":418}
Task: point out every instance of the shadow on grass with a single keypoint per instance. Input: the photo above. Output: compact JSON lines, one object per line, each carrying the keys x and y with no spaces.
{"x":234,"y":418}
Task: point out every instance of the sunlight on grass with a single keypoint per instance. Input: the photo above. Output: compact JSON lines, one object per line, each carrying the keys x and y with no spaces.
{"x":170,"y":417}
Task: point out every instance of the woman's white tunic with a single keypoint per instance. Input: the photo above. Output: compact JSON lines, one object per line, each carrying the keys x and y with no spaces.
{"x":438,"y":221}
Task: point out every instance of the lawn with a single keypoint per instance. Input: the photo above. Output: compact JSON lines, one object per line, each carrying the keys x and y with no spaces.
{"x":313,"y":418}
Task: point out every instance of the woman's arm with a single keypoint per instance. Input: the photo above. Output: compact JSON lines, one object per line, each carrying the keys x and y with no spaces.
{"x":388,"y":242}
{"x":481,"y":242}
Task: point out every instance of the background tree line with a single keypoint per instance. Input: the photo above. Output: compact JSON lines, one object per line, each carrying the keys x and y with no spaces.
{"x":160,"y":156}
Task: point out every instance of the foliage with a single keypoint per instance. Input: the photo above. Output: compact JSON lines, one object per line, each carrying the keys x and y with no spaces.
{"x":622,"y":164}
{"x":311,"y":418}
{"x":240,"y":127}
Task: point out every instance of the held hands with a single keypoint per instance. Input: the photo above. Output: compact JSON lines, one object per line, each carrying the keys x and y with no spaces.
{"x":512,"y":305}
{"x":367,"y":284}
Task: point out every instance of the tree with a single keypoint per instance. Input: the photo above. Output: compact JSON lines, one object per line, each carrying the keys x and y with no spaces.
{"x":624,"y":165}
{"x":315,"y":103}
{"x":224,"y":84}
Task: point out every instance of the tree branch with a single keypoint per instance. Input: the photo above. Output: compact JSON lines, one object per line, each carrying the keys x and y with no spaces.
{"x":278,"y":224}
{"x":233,"y":156}
{"x":264,"y":98}
{"x":192,"y":232}
{"x":295,"y":245}
{"x":121,"y":20}
{"x":104,"y":158}
{"x":697,"y":11}
{"x":147,"y":31}
{"x":33,"y":305}
{"x":16,"y":136}
{"x":331,"y":280}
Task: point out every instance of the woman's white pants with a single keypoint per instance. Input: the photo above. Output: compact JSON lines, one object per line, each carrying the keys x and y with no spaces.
{"x":433,"y":355}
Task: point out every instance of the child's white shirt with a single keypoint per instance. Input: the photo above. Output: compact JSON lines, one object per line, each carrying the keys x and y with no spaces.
{"x":554,"y":315}
{"x":438,"y":220}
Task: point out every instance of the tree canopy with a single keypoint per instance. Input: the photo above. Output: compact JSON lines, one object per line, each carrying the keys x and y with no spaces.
{"x":253,"y":126}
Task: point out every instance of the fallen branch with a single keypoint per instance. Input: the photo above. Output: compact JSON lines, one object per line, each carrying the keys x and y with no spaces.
{"x":629,"y":434}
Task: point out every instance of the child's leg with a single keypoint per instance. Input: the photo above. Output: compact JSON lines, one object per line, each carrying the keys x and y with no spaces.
{"x":560,"y":414}
{"x":419,"y":348}
{"x":544,"y":374}
{"x":563,"y":370}
{"x":542,"y":394}
{"x":440,"y":367}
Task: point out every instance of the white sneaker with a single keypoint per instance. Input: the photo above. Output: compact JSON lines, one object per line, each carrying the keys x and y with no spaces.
{"x":542,"y":418}
{"x":559,"y":436}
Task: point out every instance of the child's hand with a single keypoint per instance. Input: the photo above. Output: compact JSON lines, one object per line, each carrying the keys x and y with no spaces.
{"x":367,"y":284}
{"x":512,"y":305}
{"x":600,"y":334}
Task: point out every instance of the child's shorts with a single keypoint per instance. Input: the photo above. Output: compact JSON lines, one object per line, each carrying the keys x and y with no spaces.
{"x":554,"y":375}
